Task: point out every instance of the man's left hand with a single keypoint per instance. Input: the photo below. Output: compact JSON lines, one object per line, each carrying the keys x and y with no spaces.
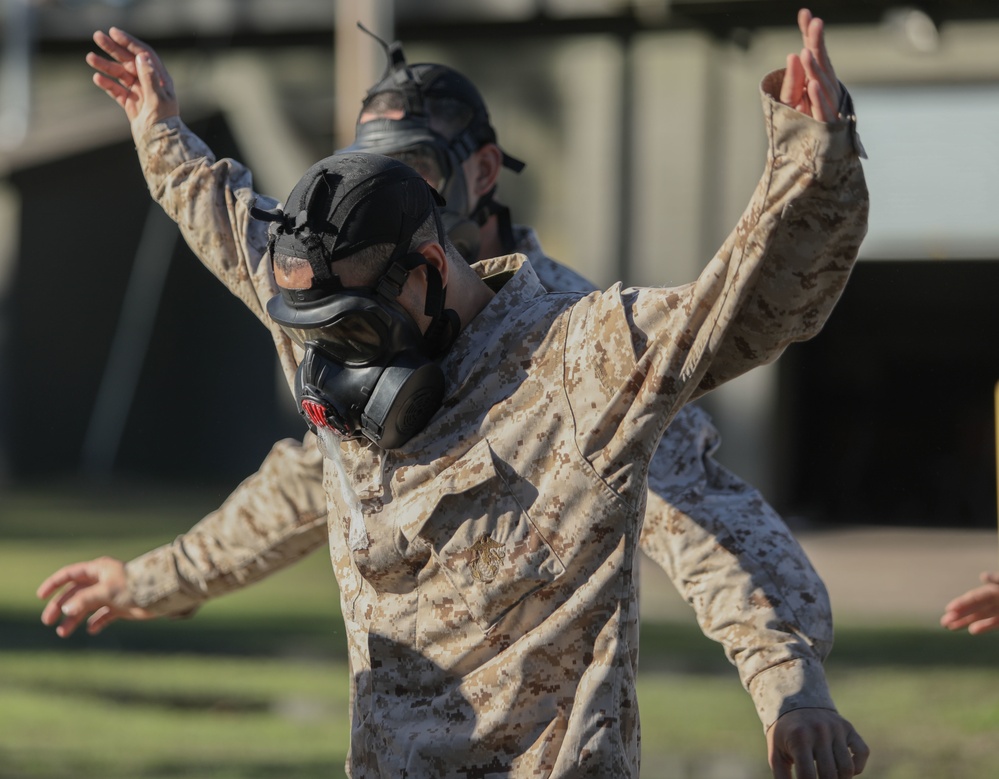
{"x":817,"y":744}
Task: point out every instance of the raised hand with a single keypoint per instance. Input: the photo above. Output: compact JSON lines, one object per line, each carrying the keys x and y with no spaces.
{"x":96,"y":588}
{"x":134,"y":77}
{"x":810,"y":83}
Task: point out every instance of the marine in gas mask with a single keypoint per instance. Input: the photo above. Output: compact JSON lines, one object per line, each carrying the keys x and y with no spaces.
{"x":371,"y":336}
{"x":434,"y":119}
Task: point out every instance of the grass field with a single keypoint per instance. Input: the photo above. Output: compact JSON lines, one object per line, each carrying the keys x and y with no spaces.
{"x":255,"y":685}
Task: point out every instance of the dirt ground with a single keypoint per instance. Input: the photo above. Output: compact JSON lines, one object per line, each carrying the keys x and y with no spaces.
{"x":874,"y":575}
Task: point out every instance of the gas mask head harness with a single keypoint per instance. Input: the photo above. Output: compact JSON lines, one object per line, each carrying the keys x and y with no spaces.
{"x":422,"y":86}
{"x":368,"y":370}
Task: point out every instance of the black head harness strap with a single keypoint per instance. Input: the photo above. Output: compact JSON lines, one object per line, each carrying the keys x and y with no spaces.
{"x":347,"y":203}
{"x":417,"y":84}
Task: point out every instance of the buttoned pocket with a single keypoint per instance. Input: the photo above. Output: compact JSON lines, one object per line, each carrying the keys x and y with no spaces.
{"x":488,"y":547}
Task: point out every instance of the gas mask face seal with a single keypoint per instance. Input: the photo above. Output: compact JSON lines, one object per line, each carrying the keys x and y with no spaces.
{"x":366,"y":371}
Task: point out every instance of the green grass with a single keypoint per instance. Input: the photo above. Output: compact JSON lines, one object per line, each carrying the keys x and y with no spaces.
{"x":255,"y":685}
{"x":115,"y":715}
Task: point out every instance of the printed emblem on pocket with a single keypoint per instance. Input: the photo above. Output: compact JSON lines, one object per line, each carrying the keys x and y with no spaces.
{"x":487,"y":555}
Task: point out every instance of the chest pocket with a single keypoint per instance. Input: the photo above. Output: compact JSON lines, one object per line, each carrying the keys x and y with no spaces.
{"x":487,"y":546}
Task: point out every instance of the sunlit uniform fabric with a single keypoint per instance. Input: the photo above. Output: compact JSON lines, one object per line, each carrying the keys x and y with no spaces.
{"x":486,"y":569}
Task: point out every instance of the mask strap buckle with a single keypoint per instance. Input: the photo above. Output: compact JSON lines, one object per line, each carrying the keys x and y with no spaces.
{"x":394,"y":279}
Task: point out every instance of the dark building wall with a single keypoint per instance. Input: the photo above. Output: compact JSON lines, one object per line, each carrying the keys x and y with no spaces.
{"x":208,"y":401}
{"x":890,"y":409}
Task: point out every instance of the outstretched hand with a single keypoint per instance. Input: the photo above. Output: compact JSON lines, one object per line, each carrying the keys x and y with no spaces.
{"x":810,"y":83}
{"x":96,"y":588}
{"x":977,"y":609}
{"x":817,"y":743}
{"x":134,"y":77}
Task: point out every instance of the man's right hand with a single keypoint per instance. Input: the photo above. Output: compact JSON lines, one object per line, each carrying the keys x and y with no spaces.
{"x":96,"y":588}
{"x":134,"y":77}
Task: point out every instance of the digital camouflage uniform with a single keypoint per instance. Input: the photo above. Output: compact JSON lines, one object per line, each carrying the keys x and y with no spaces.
{"x":486,"y":569}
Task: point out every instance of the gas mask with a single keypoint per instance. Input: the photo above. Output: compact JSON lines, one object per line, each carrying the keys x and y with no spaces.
{"x":368,"y":371}
{"x":413,"y":140}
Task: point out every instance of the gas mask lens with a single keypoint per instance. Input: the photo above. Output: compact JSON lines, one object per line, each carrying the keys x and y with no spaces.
{"x":425,"y":160}
{"x":353,"y":338}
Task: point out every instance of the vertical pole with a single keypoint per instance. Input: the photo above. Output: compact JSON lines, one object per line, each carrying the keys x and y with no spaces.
{"x":358,"y":61}
{"x":15,"y":72}
{"x":130,"y":344}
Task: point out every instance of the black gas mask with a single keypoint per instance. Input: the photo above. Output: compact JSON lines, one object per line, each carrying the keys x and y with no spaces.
{"x":368,"y":370}
{"x":438,"y":158}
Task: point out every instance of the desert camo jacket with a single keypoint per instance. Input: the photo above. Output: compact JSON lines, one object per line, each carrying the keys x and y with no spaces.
{"x":486,"y":569}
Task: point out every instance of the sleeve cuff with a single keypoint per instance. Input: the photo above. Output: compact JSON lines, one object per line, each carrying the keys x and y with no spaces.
{"x":791,"y":129}
{"x":796,"y":684}
{"x":154,"y":584}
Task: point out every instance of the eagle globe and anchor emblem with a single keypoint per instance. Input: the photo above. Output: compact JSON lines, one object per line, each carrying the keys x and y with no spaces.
{"x":487,"y":554}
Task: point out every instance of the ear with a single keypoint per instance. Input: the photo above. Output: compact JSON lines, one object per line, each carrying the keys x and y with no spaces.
{"x":484,"y":168}
{"x":435,"y":255}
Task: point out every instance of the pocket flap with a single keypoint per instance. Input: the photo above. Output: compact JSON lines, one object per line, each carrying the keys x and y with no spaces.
{"x":473,"y":468}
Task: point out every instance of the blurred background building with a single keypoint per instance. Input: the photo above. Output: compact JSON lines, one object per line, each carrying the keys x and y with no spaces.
{"x":121,"y":359}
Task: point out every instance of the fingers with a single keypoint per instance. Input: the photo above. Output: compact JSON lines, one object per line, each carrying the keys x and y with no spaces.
{"x":815,"y":744}
{"x":841,"y":762}
{"x":983,"y":626}
{"x":109,"y":68}
{"x":825,"y":106}
{"x":54,"y":609}
{"x":150,"y":83}
{"x":77,"y":572}
{"x":77,"y":590}
{"x":803,"y":760}
{"x":100,"y":619}
{"x":792,"y":91}
{"x":111,"y":47}
{"x":121,"y":46}
{"x":820,"y":89}
{"x":780,"y":769}
{"x":804,"y":19}
{"x":132,"y":45}
{"x":860,"y":751}
{"x":980,"y":599}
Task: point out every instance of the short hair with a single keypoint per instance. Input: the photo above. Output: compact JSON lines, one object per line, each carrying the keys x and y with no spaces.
{"x":372,"y":261}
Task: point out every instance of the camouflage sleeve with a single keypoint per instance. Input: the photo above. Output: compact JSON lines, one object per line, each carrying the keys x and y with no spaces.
{"x":210,"y":201}
{"x":785,"y":265}
{"x":734,"y":560}
{"x":274,"y":518}
{"x":642,"y":353}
